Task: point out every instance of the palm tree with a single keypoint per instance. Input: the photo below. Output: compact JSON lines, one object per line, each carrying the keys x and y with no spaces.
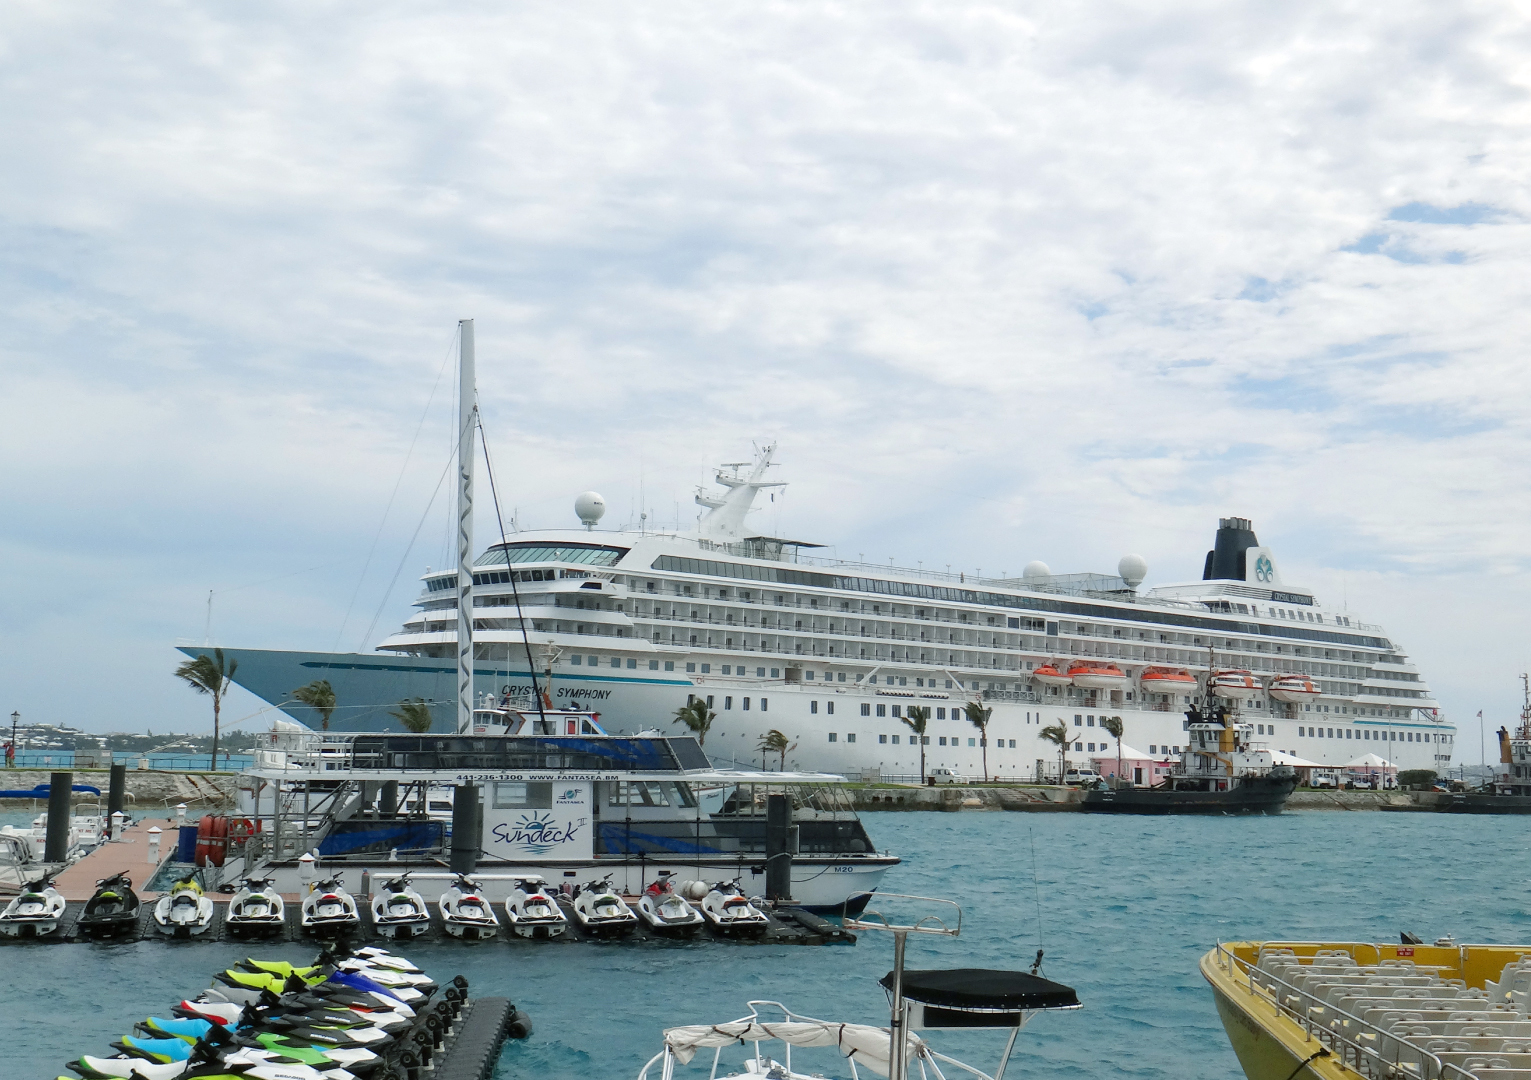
{"x":414,"y":714}
{"x":775,"y":742}
{"x":318,"y":695}
{"x":1113,"y":726}
{"x":978,"y":716}
{"x":1058,"y":734}
{"x":698,"y":717}
{"x":915,"y":718}
{"x":210,"y":675}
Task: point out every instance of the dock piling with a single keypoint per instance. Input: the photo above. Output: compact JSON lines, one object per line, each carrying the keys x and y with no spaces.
{"x":778,"y":847}
{"x":116,"y":794}
{"x":59,"y":789}
{"x":467,"y":824}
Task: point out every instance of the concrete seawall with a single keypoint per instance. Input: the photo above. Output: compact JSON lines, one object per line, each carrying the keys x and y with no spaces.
{"x":148,"y":789}
{"x":1043,"y":799}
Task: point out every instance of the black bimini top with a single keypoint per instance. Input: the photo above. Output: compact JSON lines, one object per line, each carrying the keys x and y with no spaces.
{"x":983,"y":990}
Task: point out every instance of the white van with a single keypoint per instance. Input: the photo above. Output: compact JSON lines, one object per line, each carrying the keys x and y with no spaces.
{"x":1081,"y":778}
{"x":942,"y":776}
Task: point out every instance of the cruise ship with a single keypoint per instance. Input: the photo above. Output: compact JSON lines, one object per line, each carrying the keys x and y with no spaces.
{"x":833,"y":654}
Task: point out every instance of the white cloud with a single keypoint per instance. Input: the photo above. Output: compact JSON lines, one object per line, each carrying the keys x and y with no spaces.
{"x":1006,"y":281}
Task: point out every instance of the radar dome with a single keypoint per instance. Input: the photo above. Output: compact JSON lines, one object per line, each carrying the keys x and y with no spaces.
{"x":590,"y":507}
{"x":1036,"y":570}
{"x":1133,"y":569}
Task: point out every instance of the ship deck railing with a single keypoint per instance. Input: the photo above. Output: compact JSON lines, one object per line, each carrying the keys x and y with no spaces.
{"x":1360,"y":1044}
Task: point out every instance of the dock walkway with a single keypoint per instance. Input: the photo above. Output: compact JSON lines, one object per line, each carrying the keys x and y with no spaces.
{"x":129,"y":855}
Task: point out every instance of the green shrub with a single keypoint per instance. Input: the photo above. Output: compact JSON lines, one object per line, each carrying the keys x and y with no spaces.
{"x":1417,"y":779}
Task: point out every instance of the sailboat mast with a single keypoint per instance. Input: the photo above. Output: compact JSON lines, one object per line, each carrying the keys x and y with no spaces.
{"x":467,"y":408}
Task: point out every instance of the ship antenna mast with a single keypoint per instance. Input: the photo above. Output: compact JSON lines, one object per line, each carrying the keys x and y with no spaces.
{"x":467,"y":410}
{"x":1525,"y":710}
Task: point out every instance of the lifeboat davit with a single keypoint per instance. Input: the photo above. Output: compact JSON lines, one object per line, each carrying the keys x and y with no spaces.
{"x":1049,"y":675}
{"x":1234,"y":684}
{"x":1167,"y":681}
{"x":1098,"y":676}
{"x":1295,"y":688}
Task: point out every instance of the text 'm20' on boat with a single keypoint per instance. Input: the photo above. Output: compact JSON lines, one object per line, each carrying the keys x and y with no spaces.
{"x":1333,"y":1010}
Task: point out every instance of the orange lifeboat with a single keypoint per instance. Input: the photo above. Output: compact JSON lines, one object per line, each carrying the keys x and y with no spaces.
{"x":1234,"y":684}
{"x":1049,"y":675}
{"x":1160,"y":680}
{"x":1098,"y":676}
{"x":1295,"y":687}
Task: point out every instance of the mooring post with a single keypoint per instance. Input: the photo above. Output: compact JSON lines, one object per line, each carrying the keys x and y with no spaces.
{"x":59,"y":789}
{"x":778,"y":847}
{"x":466,"y":826}
{"x":116,"y":792}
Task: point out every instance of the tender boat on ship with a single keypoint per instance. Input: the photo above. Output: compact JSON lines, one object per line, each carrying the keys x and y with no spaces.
{"x":1317,"y":1010}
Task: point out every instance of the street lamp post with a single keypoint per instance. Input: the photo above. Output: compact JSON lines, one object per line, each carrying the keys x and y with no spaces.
{"x":15,"y":721}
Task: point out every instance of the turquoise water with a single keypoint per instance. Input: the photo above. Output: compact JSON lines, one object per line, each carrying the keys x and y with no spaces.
{"x":1128,"y":907}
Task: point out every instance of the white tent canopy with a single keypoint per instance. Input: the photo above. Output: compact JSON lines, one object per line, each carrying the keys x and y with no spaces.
{"x":1370,"y":761}
{"x":867,"y":1046}
{"x":1281,"y":757}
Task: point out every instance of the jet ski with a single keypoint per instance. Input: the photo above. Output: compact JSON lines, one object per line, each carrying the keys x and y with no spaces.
{"x":465,"y":912}
{"x":667,"y":911}
{"x":375,"y":955}
{"x":35,"y":913}
{"x":162,"y":1050}
{"x":205,"y":1061}
{"x":399,"y":911}
{"x":329,"y":910}
{"x":531,"y":910}
{"x":112,"y":911}
{"x":256,"y":909}
{"x":599,"y":910}
{"x":730,"y":911}
{"x":185,"y":910}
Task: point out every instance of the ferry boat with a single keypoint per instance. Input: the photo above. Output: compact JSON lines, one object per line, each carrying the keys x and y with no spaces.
{"x":774,"y":636}
{"x":561,"y":799}
{"x":1337,"y":1010}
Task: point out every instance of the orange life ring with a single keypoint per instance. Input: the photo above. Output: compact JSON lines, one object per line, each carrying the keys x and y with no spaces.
{"x":218,"y":842}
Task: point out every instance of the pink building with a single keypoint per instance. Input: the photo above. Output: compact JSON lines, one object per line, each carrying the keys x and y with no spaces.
{"x":1142,"y":770}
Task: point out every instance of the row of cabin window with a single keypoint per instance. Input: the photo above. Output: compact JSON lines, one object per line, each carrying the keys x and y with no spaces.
{"x":1378,"y":736}
{"x":882,"y":710}
{"x":917,"y":740}
{"x":616,"y":662}
{"x":744,"y":703}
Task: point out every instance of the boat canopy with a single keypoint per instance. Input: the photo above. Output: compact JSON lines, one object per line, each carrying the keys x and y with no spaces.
{"x":867,"y":1046}
{"x":981,"y":990}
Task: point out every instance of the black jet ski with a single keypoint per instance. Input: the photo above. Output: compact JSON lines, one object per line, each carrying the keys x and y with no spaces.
{"x":112,"y":911}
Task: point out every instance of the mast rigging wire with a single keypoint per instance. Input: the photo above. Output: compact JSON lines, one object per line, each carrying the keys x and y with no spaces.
{"x":526,"y":641}
{"x":405,"y":557}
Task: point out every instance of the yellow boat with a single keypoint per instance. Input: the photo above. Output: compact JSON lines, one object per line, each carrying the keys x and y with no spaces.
{"x":1298,"y":1010}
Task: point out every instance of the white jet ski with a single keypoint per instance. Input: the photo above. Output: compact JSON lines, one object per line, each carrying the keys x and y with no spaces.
{"x":466,"y":913}
{"x":599,"y":910}
{"x":531,"y":910}
{"x":730,"y":911}
{"x":398,"y":911}
{"x":257,"y":908}
{"x":185,"y":910}
{"x":328,"y":910}
{"x":35,"y":913}
{"x":667,"y":911}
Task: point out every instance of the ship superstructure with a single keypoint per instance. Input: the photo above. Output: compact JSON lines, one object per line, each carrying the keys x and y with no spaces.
{"x":833,"y":654}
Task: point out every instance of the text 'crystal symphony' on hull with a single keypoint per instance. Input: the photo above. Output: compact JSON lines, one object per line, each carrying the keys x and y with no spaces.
{"x":832,"y":654}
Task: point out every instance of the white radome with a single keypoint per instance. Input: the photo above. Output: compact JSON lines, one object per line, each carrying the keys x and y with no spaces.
{"x":590,"y":507}
{"x":1133,"y":569}
{"x":1035,"y":570}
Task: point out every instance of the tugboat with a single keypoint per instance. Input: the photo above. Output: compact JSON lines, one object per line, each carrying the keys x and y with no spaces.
{"x":1510,"y":791}
{"x":1220,"y":772}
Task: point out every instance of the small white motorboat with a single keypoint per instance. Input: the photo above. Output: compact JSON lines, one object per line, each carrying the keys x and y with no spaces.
{"x":398,"y":911}
{"x":35,"y":913}
{"x":466,"y":913}
{"x":599,"y":910}
{"x":730,"y":911}
{"x":531,"y":910}
{"x":328,"y":910}
{"x":257,"y":908}
{"x":185,"y":910}
{"x":667,"y":911}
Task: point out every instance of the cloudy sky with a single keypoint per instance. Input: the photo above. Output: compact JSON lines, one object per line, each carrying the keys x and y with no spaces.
{"x":1045,"y":280}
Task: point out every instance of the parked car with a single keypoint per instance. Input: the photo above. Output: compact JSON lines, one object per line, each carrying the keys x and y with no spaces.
{"x":941,"y":776}
{"x":1081,"y":778}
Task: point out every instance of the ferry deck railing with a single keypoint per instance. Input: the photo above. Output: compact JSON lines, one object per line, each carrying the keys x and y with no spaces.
{"x":1369,"y":1058}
